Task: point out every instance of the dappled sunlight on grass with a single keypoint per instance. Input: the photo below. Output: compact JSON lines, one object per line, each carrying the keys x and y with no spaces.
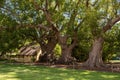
{"x":25,"y":72}
{"x":86,"y":72}
{"x":109,"y":76}
{"x":115,"y":61}
{"x":9,"y":76}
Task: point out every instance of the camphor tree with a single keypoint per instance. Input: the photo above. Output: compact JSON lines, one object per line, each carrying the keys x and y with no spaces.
{"x":63,"y":20}
{"x":102,"y":15}
{"x":54,"y":21}
{"x":59,"y":21}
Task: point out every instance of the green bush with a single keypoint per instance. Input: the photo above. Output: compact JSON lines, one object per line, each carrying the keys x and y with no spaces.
{"x":57,"y":51}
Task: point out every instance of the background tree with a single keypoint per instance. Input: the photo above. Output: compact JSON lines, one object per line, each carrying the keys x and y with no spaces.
{"x":101,"y":17}
{"x":64,"y":20}
{"x":48,"y":18}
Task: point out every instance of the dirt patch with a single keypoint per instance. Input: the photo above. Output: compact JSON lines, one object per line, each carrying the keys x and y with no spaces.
{"x":114,"y":67}
{"x":111,"y":67}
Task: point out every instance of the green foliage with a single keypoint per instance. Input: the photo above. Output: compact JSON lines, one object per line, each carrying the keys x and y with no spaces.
{"x":81,"y":51}
{"x":10,"y":41}
{"x":57,"y":51}
{"x":17,"y":16}
{"x":92,"y":21}
{"x":12,"y":38}
{"x":33,"y":59}
{"x":112,"y":43}
{"x":2,"y":3}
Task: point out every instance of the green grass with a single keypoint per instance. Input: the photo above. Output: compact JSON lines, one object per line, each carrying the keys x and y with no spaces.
{"x":25,"y":72}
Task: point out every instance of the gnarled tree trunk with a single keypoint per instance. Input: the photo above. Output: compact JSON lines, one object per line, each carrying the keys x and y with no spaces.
{"x":95,"y":56}
{"x":47,"y":48}
{"x":66,"y":57}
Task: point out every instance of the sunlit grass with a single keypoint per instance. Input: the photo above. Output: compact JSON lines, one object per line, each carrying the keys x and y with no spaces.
{"x":25,"y":72}
{"x":115,"y":61}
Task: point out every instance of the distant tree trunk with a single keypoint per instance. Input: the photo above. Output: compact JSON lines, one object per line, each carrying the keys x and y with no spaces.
{"x":66,"y":57}
{"x":95,"y":56}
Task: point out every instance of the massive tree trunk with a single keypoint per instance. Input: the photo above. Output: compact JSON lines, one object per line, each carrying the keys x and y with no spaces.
{"x":66,"y":57}
{"x":95,"y":56}
{"x":47,"y":48}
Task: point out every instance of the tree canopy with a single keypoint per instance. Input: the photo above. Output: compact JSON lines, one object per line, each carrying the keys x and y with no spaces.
{"x":87,"y":28}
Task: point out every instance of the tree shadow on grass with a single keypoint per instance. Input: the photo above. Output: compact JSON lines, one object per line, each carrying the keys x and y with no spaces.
{"x":25,"y":72}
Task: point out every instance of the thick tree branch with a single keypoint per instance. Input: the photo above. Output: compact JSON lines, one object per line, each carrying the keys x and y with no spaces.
{"x":95,"y":2}
{"x":87,"y":3}
{"x":40,"y":26}
{"x":56,"y":5}
{"x":46,"y":4}
{"x":75,"y":39}
{"x":110,"y":23}
{"x":47,"y":15}
{"x":76,"y":29}
{"x":37,"y":7}
{"x":74,"y":14}
{"x":63,"y":39}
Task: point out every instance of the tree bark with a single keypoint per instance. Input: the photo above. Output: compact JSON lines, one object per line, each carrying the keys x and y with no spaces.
{"x":47,"y":48}
{"x":95,"y":56}
{"x":66,"y":57}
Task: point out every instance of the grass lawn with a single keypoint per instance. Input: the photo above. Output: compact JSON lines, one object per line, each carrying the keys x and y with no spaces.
{"x":115,"y":61}
{"x":25,"y":72}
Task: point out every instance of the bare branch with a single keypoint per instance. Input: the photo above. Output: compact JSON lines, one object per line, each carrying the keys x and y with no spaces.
{"x":57,"y":4}
{"x":87,"y":3}
{"x":46,"y":4}
{"x":75,"y":39}
{"x":74,"y":14}
{"x":36,"y":5}
{"x":48,"y":17}
{"x":76,"y":29}
{"x":40,"y":26}
{"x":47,"y":14}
